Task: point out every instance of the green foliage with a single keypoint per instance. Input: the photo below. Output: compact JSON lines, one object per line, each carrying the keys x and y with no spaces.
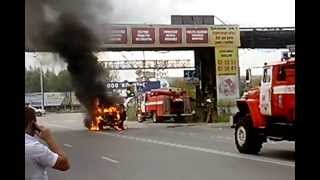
{"x":131,"y":112}
{"x":181,"y":83}
{"x":32,"y":80}
{"x":223,"y":118}
{"x":52,"y":82}
{"x":255,"y":82}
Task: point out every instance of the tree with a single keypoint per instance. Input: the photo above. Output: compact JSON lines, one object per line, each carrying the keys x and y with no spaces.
{"x":53,"y":82}
{"x":32,"y":80}
{"x":181,"y":83}
{"x":64,"y":82}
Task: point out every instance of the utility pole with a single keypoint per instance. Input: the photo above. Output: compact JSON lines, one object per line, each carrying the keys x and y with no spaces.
{"x":41,"y":85}
{"x":144,"y":67}
{"x":41,"y":82}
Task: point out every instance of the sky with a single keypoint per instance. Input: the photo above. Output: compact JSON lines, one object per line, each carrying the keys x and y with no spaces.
{"x":245,"y":13}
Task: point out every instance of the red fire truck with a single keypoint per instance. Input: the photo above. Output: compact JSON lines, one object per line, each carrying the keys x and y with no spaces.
{"x":267,"y":112}
{"x":163,"y":103}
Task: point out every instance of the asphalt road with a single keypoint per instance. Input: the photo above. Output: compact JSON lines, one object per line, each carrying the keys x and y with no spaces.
{"x":148,"y":151}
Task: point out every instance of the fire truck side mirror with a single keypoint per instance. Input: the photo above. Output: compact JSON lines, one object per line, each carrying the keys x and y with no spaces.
{"x":248,"y":76}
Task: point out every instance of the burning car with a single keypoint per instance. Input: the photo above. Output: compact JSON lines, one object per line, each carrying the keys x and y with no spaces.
{"x":105,"y":115}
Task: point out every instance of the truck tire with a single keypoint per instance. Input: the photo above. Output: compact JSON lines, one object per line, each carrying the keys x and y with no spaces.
{"x":140,"y":118}
{"x":246,"y":139}
{"x":154,"y":118}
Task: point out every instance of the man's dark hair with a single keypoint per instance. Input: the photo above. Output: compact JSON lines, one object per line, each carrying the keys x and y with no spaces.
{"x":30,"y":116}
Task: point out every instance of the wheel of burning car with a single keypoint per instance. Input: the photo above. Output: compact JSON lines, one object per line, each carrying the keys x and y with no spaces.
{"x":101,"y":124}
{"x":247,"y":140}
{"x":154,"y":117}
{"x":86,"y":122}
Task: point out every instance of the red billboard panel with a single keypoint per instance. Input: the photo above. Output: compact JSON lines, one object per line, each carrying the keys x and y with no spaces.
{"x":143,"y":35}
{"x":197,"y":35}
{"x":170,"y":35}
{"x":117,"y":36}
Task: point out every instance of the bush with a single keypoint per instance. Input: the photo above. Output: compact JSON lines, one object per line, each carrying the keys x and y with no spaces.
{"x":131,"y":112}
{"x":223,"y":118}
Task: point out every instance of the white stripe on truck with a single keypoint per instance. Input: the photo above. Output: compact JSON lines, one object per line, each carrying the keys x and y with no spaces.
{"x":154,"y":103}
{"x":285,"y":89}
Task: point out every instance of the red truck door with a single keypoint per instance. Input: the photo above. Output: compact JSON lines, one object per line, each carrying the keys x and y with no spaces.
{"x":283,"y":98}
{"x":265,"y":91}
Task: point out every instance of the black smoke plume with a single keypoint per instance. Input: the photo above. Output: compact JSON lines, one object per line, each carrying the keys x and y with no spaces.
{"x":76,"y":44}
{"x":66,"y":27}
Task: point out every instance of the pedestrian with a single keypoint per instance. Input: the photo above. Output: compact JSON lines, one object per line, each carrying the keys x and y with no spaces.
{"x":39,"y":157}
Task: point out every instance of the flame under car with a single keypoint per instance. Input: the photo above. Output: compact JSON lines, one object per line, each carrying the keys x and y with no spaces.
{"x":103,"y":116}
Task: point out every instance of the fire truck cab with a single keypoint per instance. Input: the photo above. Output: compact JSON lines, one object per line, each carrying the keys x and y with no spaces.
{"x":267,"y":112}
{"x":163,"y":103}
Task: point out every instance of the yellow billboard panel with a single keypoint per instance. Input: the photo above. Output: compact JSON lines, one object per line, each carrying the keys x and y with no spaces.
{"x":224,"y":36}
{"x":226,"y":60}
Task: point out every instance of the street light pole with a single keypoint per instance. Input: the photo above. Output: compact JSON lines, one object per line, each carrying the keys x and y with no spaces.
{"x":144,"y":67}
{"x":41,"y":82}
{"x":41,"y":86}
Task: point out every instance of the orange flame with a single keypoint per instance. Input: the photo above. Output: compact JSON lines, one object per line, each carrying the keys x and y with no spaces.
{"x":100,"y":113}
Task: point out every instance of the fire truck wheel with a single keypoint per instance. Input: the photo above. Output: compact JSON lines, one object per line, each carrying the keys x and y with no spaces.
{"x":247,"y":140}
{"x":140,"y":118}
{"x":154,"y":118}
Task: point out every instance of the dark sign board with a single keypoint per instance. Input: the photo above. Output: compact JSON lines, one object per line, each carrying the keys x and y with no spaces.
{"x":197,"y":35}
{"x":190,"y":74}
{"x":117,"y":36}
{"x":144,"y":86}
{"x":170,"y":35}
{"x":148,"y":86}
{"x":117,"y":85}
{"x":192,"y":20}
{"x":143,"y":35}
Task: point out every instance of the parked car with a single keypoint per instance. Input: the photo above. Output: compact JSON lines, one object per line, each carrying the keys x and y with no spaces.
{"x":39,"y":112}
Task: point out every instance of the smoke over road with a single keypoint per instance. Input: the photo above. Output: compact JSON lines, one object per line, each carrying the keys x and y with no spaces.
{"x":66,"y":27}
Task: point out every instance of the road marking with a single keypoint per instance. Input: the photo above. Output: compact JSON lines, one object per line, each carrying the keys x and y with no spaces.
{"x":109,"y":159}
{"x":68,"y":145}
{"x":59,"y":126}
{"x":207,"y":150}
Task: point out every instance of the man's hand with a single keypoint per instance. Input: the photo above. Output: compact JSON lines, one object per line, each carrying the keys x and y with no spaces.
{"x":44,"y":133}
{"x":62,"y":162}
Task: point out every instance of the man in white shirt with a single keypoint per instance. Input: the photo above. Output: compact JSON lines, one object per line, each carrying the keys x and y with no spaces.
{"x":38,"y":157}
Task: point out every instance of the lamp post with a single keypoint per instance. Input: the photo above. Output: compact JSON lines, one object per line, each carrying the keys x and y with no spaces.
{"x":41,"y":82}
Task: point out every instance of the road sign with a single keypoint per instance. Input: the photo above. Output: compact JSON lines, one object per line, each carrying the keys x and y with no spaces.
{"x":190,"y":74}
{"x":141,"y":86}
{"x":151,"y":85}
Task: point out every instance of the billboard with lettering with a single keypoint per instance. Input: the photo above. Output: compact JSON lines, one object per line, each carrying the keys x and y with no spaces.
{"x":170,"y":35}
{"x":143,"y":35}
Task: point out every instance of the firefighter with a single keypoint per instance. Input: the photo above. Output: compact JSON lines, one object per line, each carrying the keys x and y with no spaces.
{"x":123,"y":117}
